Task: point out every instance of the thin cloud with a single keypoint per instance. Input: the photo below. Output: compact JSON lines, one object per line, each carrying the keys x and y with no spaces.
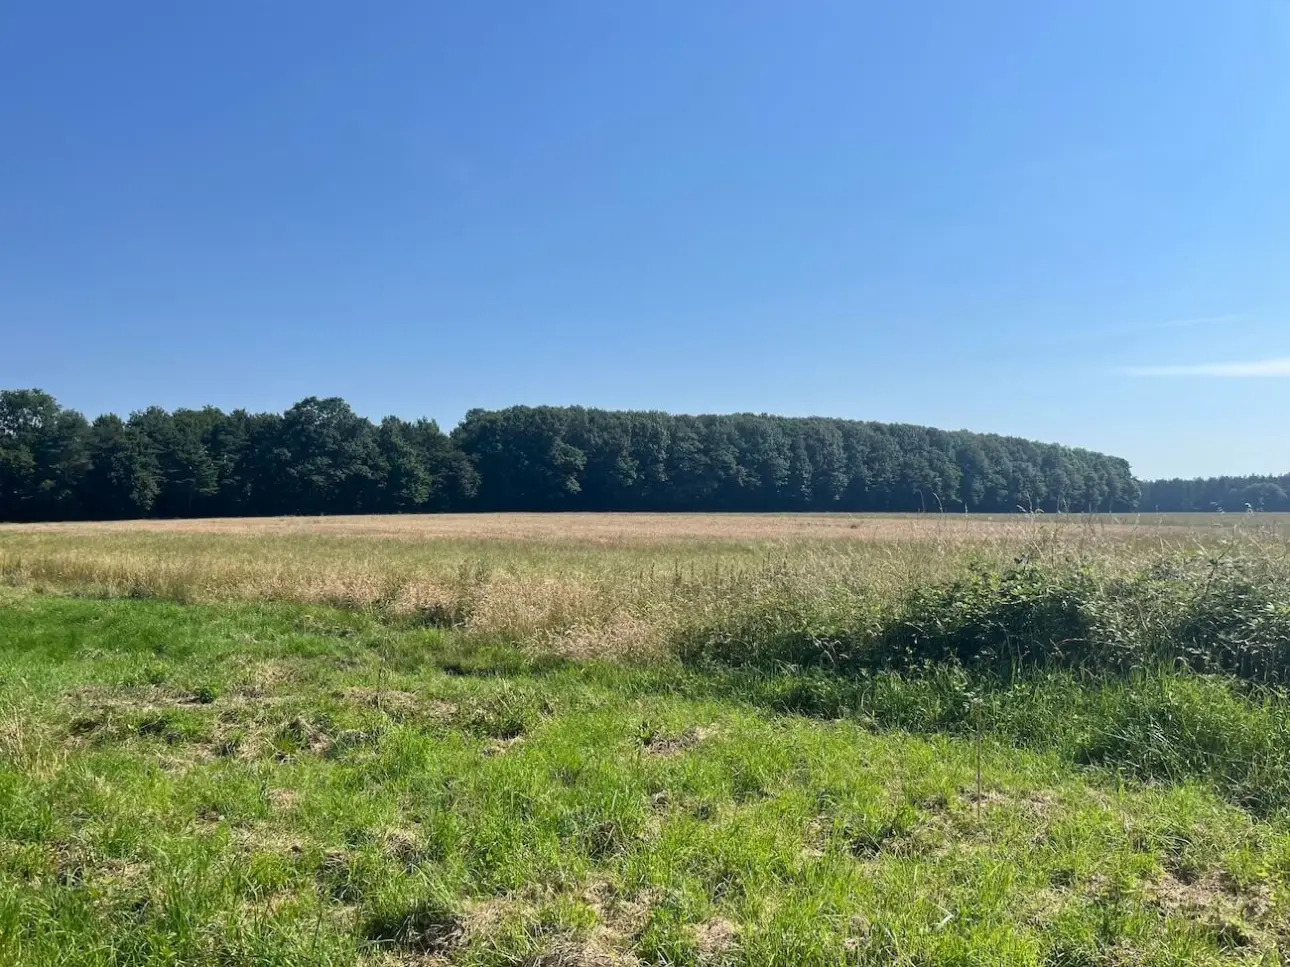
{"x":1278,"y":367}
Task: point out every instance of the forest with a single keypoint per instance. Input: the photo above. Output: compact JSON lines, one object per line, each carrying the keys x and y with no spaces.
{"x":320,"y":457}
{"x":1211,"y":494}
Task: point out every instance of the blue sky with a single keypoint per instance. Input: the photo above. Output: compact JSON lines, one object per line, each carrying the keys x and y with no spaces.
{"x":1064,"y":221}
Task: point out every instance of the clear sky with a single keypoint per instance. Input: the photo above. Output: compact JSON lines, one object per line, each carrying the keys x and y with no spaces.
{"x":1068,"y":221}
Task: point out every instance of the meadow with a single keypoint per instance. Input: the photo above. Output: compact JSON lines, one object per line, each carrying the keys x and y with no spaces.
{"x":620,"y":739}
{"x":593,"y":584}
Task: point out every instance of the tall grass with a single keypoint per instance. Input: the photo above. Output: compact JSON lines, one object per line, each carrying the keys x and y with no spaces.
{"x":626,"y":585}
{"x":1225,"y":611}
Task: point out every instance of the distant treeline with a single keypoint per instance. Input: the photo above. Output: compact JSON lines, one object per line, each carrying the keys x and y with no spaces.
{"x":320,"y":457}
{"x":570,"y":458}
{"x":1217,"y":493}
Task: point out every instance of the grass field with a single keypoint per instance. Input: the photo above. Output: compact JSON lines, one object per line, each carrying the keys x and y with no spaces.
{"x":645,"y":739}
{"x":583,"y":583}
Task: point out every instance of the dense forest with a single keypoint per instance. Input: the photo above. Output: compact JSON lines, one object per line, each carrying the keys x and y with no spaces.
{"x":320,"y":457}
{"x":570,"y":458}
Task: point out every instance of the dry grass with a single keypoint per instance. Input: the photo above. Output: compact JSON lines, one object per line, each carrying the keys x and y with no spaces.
{"x":645,"y":530}
{"x":575,"y":583}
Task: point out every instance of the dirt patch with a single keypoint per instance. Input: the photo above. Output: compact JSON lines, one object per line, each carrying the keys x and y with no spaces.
{"x":485,"y":917}
{"x":496,"y":747}
{"x":622,"y":916}
{"x":603,"y":947}
{"x":300,"y":734}
{"x":986,"y":798}
{"x":73,"y":865}
{"x":1043,"y":906}
{"x":283,"y":800}
{"x":269,"y":840}
{"x":579,"y":953}
{"x":1036,"y":803}
{"x":99,"y":701}
{"x":716,"y":937}
{"x":395,"y":703}
{"x":665,"y":746}
{"x":405,"y":846}
{"x":424,"y":928}
{"x":1215,"y":895}
{"x":817,"y":833}
{"x":262,"y":677}
{"x":125,"y":872}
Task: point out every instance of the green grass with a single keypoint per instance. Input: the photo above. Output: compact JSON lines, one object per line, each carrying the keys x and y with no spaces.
{"x":284,"y":784}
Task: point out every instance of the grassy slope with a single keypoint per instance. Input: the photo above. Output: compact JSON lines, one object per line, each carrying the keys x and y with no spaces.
{"x":283,"y":784}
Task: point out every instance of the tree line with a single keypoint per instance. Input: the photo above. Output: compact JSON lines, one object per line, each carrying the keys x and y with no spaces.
{"x":320,"y":457}
{"x":1217,"y":493}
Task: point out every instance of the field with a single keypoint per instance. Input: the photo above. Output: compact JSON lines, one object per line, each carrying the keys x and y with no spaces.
{"x":620,"y":739}
{"x":579,"y":583}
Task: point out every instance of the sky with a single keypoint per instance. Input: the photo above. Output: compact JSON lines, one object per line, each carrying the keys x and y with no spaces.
{"x":1065,"y":221}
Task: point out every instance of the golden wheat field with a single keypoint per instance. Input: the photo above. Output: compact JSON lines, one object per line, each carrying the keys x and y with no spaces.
{"x":582,"y":583}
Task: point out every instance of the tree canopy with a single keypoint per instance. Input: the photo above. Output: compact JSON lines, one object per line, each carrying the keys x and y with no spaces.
{"x":320,"y":457}
{"x":571,"y":458}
